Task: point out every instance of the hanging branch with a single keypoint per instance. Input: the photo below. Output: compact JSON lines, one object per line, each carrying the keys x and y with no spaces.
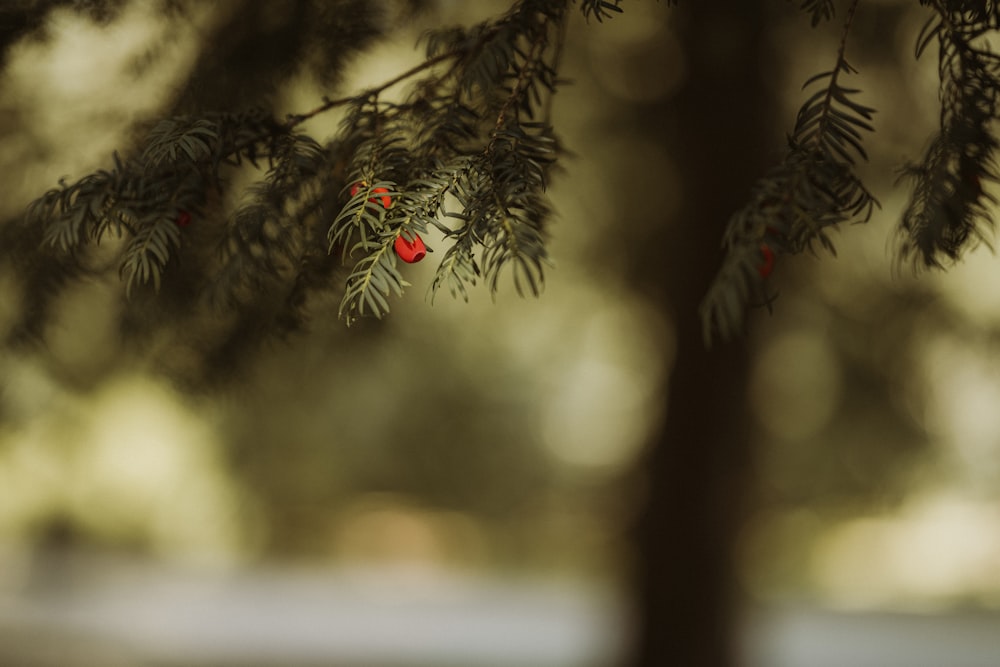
{"x":950,"y":208}
{"x":478,"y":134}
{"x":792,"y":208}
{"x":473,"y":134}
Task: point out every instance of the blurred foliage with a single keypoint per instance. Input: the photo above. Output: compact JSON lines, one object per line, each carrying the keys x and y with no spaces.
{"x":950,"y":207}
{"x":840,"y":385}
{"x":816,"y":187}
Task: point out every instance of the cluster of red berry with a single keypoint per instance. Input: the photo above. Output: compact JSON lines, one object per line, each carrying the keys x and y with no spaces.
{"x":408,"y":251}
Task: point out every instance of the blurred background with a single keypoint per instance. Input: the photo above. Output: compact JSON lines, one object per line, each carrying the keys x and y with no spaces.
{"x":510,"y":482}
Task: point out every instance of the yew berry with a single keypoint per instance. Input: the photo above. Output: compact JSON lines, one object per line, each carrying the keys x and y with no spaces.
{"x":386,"y":199}
{"x":183,"y":219}
{"x":410,"y":252}
{"x":767,"y":267}
{"x":976,"y":183}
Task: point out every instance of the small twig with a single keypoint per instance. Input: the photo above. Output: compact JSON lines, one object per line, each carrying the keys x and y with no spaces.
{"x":841,"y":59}
{"x":297,"y":119}
{"x":523,"y":76}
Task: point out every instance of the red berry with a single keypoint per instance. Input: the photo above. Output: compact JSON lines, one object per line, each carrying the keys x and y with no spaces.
{"x":767,"y":267}
{"x":183,"y":219}
{"x":410,"y":252}
{"x":386,"y":199}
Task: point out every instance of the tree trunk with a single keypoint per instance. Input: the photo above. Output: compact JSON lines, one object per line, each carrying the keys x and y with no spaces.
{"x":698,"y":467}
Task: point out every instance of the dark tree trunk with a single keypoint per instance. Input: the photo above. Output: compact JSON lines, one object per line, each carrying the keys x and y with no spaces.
{"x":698,"y":467}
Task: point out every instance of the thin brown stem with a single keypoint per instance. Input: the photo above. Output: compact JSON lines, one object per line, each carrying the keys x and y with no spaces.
{"x":297,"y":119}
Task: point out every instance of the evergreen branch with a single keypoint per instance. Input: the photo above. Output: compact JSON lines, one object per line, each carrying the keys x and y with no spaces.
{"x":468,"y":129}
{"x":458,"y":268}
{"x":600,"y":9}
{"x":949,"y":207}
{"x":461,"y":47}
{"x":525,"y":75}
{"x":498,"y":185}
{"x":177,"y":138}
{"x":792,"y":208}
{"x":294,"y":120}
{"x":361,"y":219}
{"x":149,"y":251}
{"x":374,"y":277}
{"x":72,"y":212}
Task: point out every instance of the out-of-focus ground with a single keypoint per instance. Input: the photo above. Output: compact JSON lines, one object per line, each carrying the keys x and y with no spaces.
{"x":112,"y":612}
